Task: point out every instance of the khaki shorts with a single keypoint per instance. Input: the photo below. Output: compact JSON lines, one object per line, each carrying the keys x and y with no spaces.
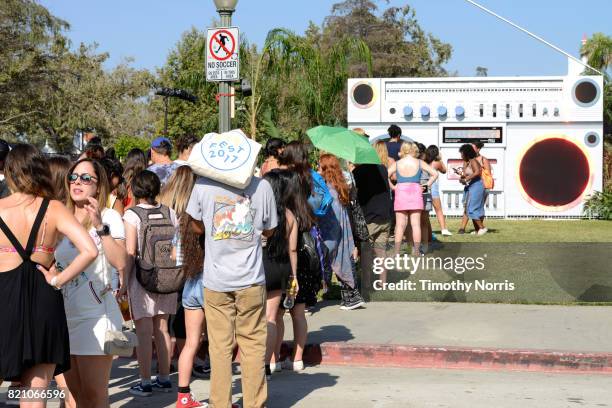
{"x":379,"y":233}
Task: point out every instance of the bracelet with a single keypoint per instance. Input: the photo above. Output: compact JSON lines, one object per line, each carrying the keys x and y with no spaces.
{"x":54,"y":283}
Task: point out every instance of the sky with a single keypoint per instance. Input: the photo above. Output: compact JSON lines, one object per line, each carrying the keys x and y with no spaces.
{"x":146,"y":30}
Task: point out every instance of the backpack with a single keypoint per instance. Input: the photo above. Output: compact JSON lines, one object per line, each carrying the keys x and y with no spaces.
{"x":156,"y":271}
{"x":313,"y":255}
{"x":320,"y":199}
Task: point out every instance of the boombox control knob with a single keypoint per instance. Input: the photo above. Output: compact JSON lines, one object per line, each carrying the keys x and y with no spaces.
{"x":459,"y":111}
{"x":424,"y":111}
{"x":442,"y":111}
{"x":408,"y":111}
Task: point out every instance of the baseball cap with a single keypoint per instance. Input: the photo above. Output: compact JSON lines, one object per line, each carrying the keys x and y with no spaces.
{"x":160,"y":141}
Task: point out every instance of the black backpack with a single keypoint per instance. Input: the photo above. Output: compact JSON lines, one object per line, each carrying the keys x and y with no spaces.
{"x":313,"y":255}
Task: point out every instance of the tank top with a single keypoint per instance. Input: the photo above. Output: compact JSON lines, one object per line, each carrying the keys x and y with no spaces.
{"x":412,"y":179}
{"x":33,"y":327}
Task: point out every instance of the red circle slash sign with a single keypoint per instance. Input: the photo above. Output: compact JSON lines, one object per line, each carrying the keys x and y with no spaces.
{"x":216,"y":41}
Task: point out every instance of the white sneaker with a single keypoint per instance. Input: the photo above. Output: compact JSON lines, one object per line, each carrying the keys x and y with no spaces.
{"x":293,"y":365}
{"x":482,"y":231}
{"x":446,"y":232}
{"x":276,"y":367}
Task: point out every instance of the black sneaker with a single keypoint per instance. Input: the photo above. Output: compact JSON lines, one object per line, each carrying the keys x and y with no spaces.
{"x":201,"y":371}
{"x":353,"y":301}
{"x":142,"y":390}
{"x":161,"y":386}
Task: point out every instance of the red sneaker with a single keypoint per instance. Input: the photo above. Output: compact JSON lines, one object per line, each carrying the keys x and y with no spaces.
{"x":187,"y":401}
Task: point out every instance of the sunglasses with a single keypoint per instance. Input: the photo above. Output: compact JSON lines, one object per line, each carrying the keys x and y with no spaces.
{"x":86,"y":178}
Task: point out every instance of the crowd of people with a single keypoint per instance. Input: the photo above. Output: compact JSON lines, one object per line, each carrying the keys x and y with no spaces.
{"x":202,"y":269}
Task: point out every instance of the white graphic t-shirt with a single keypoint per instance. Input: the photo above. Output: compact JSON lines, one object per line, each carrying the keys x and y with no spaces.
{"x":233,"y":220}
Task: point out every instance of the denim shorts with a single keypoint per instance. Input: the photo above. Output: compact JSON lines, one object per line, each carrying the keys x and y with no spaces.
{"x":435,"y":190}
{"x":193,"y":293}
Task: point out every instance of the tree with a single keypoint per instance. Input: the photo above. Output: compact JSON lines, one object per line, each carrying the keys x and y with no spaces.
{"x":48,"y":92}
{"x":482,"y":71}
{"x":398,"y":44}
{"x":598,"y":50}
{"x":86,"y":95}
{"x":31,"y":43}
{"x":317,"y":73}
{"x":184,"y":69}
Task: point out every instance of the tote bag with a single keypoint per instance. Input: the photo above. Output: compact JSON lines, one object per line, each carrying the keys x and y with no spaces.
{"x":228,"y":158}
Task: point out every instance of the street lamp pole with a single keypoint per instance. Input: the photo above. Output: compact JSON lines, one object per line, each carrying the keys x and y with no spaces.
{"x":225,"y":8}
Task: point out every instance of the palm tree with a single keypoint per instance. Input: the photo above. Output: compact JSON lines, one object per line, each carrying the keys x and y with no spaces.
{"x":315,"y":75}
{"x":598,"y":50}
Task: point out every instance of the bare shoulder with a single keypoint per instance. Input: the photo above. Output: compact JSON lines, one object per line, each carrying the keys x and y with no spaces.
{"x":289,"y":216}
{"x":57,"y":210}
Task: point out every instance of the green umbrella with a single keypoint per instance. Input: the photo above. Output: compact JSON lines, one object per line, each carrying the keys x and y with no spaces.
{"x":343,"y":143}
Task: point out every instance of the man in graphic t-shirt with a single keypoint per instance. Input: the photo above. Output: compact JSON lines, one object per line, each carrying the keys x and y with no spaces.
{"x":233,"y":222}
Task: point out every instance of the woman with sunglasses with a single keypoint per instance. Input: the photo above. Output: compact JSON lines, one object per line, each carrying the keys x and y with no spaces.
{"x":34,"y":334}
{"x":91,"y":308}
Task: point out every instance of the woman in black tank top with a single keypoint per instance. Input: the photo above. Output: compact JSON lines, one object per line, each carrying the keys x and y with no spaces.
{"x":33,"y":330}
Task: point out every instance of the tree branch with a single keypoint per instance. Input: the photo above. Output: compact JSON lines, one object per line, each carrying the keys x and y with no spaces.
{"x":18,"y":116}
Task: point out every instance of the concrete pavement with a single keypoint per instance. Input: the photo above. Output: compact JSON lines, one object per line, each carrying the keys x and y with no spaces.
{"x":354,"y":387}
{"x":464,"y":336}
{"x":567,"y":328}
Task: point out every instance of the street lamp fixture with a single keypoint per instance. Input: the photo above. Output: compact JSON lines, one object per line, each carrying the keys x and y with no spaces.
{"x":225,"y":5}
{"x":173,"y":93}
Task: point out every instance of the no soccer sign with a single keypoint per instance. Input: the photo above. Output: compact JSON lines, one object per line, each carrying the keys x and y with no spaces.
{"x":222,"y":62}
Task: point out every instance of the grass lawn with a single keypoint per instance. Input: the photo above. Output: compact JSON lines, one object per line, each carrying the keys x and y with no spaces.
{"x":537,"y":230}
{"x":547,"y":261}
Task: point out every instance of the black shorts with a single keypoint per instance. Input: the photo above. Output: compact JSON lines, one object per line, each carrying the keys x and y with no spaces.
{"x":277,"y":274}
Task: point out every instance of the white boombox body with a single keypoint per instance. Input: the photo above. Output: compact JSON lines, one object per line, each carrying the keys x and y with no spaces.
{"x":543,"y":135}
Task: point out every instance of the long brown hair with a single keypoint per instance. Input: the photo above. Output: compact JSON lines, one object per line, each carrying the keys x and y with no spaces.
{"x":295,"y":158}
{"x":59,"y":166}
{"x":331,"y":172}
{"x":176,"y":192}
{"x":27,"y":172}
{"x":192,"y":251}
{"x":135,"y":162}
{"x":102,"y":194}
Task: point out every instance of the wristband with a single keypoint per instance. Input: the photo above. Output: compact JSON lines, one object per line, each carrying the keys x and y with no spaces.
{"x":54,"y":283}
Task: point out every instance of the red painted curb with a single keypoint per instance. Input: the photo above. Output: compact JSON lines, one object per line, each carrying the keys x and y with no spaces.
{"x":406,"y":356}
{"x":387,"y":355}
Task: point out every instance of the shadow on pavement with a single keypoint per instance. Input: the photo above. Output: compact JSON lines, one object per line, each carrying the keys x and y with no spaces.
{"x":331,"y":333}
{"x":287,"y":389}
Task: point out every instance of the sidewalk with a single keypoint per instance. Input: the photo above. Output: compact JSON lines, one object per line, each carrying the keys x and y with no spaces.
{"x":460,"y":335}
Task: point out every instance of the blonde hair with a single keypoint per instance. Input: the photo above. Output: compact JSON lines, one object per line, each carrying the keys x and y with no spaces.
{"x":176,"y":192}
{"x":383,"y":153}
{"x":408,"y":149}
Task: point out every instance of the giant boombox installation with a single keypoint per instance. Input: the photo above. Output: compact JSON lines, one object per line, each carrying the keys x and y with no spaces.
{"x":543,"y":135}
